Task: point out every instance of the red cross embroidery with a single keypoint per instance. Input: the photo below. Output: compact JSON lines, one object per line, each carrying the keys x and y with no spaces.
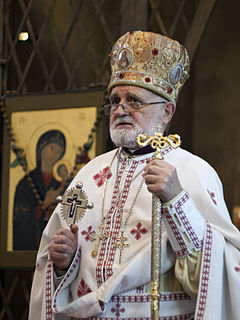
{"x":118,"y":310}
{"x":83,"y":289}
{"x":212,"y":195}
{"x":138,"y":231}
{"x":102,"y":176}
{"x":237,"y":268}
{"x":88,"y":233}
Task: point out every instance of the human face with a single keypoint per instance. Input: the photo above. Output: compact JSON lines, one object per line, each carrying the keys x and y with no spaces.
{"x":125,"y":126}
{"x":51,"y":154}
{"x":63,"y":172}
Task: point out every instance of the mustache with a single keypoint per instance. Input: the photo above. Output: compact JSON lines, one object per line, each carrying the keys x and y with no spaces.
{"x":124,"y":119}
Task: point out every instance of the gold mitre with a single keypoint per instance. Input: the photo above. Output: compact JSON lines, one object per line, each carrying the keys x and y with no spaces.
{"x":151,"y":61}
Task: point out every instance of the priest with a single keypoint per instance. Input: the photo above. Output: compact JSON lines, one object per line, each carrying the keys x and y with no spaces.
{"x":100,"y":266}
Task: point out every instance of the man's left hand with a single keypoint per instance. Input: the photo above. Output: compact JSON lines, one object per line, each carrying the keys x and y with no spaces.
{"x":161,"y":178}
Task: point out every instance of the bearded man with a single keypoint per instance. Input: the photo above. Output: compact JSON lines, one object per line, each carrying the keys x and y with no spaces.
{"x":100,"y":267}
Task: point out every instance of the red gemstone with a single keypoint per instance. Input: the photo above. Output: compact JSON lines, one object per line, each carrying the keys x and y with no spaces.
{"x":169,"y":90}
{"x":155,"y":51}
{"x":147,"y":79}
{"x":121,"y":75}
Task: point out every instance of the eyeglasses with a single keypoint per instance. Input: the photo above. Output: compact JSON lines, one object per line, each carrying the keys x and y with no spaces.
{"x":129,"y":107}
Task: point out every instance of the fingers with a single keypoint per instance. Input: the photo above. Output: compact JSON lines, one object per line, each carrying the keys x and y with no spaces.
{"x":156,"y":184}
{"x":157,"y":162}
{"x":158,"y":169}
{"x":64,"y":232}
{"x":63,"y":238}
{"x":161,"y":178}
{"x":61,"y":260}
{"x":62,"y":246}
{"x":74,"y":228}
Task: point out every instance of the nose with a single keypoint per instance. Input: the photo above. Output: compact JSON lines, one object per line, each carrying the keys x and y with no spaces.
{"x":121,"y":110}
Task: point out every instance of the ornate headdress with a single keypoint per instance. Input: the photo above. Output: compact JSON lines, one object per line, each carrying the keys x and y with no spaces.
{"x":151,"y":61}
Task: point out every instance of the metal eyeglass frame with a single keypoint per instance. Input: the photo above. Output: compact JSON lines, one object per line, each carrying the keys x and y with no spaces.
{"x":107,"y":108}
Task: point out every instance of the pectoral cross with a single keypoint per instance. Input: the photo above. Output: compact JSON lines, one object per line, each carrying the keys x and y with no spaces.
{"x":121,"y":245}
{"x":74,"y":204}
{"x":97,"y":238}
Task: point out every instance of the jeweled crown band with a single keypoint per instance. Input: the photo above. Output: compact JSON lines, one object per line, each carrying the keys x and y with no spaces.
{"x":151,"y":61}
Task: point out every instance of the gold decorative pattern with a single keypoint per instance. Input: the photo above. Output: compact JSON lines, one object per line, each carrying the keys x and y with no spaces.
{"x":159,"y":142}
{"x":151,"y":61}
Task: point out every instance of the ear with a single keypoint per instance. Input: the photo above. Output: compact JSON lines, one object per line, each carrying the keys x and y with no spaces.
{"x":169,"y":108}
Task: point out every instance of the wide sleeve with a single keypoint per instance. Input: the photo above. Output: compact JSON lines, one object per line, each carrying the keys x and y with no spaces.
{"x":205,"y":242}
{"x":185,"y":229}
{"x":187,"y":271}
{"x":43,"y":285}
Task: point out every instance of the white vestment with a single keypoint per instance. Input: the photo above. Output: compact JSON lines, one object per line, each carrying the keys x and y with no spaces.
{"x":195,"y":223}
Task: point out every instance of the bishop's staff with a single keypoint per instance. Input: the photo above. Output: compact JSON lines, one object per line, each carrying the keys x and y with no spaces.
{"x":158,"y":142}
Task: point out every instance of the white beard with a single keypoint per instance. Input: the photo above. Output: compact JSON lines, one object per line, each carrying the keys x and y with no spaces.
{"x":127,"y":137}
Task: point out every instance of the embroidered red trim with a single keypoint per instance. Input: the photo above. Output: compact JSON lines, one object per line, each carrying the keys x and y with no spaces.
{"x":180,"y":296}
{"x":206,"y":265}
{"x":177,"y":317}
{"x":164,"y":152}
{"x":183,"y":248}
{"x":178,"y":206}
{"x":48,"y":295}
{"x":75,"y":263}
{"x":113,"y":224}
{"x":190,"y":232}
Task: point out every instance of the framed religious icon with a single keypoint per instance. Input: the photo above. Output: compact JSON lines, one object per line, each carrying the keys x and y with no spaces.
{"x":54,"y":136}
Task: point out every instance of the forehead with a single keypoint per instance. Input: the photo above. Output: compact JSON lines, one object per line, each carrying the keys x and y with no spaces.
{"x":53,"y":144}
{"x":136,"y":91}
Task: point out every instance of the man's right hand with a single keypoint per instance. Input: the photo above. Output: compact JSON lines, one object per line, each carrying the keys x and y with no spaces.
{"x":62,"y":247}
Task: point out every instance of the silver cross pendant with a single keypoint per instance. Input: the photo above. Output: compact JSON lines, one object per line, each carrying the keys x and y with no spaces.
{"x":74,"y":203}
